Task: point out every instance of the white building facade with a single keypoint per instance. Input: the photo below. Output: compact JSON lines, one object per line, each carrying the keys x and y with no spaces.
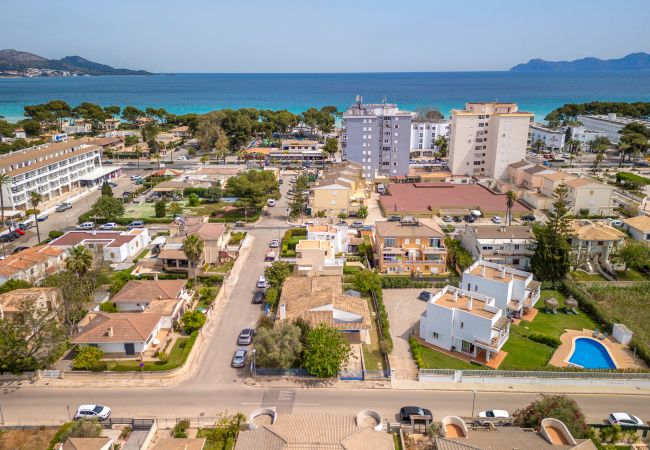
{"x":553,"y":139}
{"x":611,"y":124}
{"x":484,"y":138}
{"x":424,"y":134}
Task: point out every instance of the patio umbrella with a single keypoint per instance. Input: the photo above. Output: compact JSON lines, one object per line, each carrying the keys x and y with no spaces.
{"x":551,"y":303}
{"x":571,"y":302}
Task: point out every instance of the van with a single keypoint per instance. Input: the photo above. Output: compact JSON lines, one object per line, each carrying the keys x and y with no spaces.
{"x":136,"y":224}
{"x":86,"y":226}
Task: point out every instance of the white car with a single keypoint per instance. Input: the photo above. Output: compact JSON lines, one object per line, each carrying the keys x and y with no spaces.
{"x":617,"y":223}
{"x":496,"y":219}
{"x":135,"y":177}
{"x":271,"y":202}
{"x":624,"y":420}
{"x":261,"y":282}
{"x":86,"y":226}
{"x":275,"y":243}
{"x":497,"y":413}
{"x":93,"y":412}
{"x":108,"y":226}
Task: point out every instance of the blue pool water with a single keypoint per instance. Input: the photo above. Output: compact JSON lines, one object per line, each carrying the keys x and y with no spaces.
{"x":591,"y":354}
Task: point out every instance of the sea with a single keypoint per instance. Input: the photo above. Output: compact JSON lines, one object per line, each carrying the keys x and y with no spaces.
{"x":183,"y":93}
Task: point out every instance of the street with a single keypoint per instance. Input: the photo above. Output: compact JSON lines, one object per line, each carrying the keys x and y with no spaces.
{"x":215,"y":387}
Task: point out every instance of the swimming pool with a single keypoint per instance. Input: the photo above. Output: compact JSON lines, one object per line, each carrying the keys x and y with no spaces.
{"x":591,"y":354}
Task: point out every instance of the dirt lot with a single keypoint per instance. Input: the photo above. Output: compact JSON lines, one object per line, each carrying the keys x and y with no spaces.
{"x":30,"y":439}
{"x":404,"y":310}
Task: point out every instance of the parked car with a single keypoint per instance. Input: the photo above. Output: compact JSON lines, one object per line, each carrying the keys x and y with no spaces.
{"x":258,"y":298}
{"x":262,"y":283}
{"x":135,"y":177}
{"x":18,"y":250}
{"x":275,"y":243}
{"x":245,"y":336}
{"x":425,"y":295}
{"x":497,"y":413}
{"x":496,"y":219}
{"x":107,"y":162}
{"x":357,"y":224}
{"x":271,"y":202}
{"x":93,"y":412}
{"x":624,"y":420}
{"x":394,"y":218}
{"x":108,"y":226}
{"x":136,"y":224}
{"x":20,"y":231}
{"x":470,"y":218}
{"x":9,"y":237}
{"x":61,"y":207}
{"x":447,"y":219}
{"x":406,"y":412}
{"x":112,"y":184}
{"x":527,"y":218}
{"x":457,"y":219}
{"x":42,"y":217}
{"x":616,"y":223}
{"x":239,"y":359}
{"x":240,"y":224}
{"x":86,"y":226}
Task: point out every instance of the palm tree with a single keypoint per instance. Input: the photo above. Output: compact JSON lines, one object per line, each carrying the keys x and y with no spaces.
{"x":193,"y":248}
{"x":511,"y":196}
{"x":35,"y":199}
{"x":599,"y":145}
{"x":538,"y":145}
{"x":80,"y":260}
{"x":5,"y":180}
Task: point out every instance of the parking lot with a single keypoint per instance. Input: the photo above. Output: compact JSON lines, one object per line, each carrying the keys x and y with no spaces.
{"x":404,"y":310}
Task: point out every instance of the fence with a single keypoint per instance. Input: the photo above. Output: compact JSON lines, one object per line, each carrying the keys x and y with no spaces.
{"x":380,"y":330}
{"x":636,"y":379}
{"x":136,"y":424}
{"x":278,"y":372}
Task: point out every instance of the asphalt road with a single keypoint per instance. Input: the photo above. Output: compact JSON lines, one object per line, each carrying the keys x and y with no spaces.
{"x":215,"y":387}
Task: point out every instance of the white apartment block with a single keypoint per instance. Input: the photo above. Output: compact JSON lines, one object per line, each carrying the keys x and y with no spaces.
{"x":514,"y":291}
{"x":424,"y":134}
{"x":611,"y":124}
{"x":52,"y":170}
{"x":378,"y":137}
{"x":512,"y":245}
{"x":466,"y":322}
{"x":553,"y":139}
{"x":337,"y":234}
{"x":585,"y":136}
{"x":484,"y":138}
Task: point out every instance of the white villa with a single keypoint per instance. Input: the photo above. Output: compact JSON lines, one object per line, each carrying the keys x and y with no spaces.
{"x":466,"y":322}
{"x":514,"y":291}
{"x":338,"y":234}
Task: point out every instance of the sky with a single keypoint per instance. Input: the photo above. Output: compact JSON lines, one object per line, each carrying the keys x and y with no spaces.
{"x":325,"y":36}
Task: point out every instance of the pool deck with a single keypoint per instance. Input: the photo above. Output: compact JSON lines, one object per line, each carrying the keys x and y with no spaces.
{"x":622,"y":356}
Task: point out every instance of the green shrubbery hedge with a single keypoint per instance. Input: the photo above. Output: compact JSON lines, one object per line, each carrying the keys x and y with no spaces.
{"x":544,"y":339}
{"x":403,"y":283}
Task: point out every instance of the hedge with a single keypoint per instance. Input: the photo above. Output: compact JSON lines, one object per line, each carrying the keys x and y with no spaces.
{"x":402,"y":283}
{"x":544,"y":339}
{"x":86,"y":217}
{"x":416,"y":348}
{"x":382,"y":316}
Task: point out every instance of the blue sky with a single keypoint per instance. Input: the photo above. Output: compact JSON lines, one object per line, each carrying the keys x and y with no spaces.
{"x":326,"y":35}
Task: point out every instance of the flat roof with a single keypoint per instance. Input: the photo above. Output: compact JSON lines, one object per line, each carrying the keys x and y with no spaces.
{"x":495,"y":274}
{"x":422,"y":198}
{"x":462,"y":301}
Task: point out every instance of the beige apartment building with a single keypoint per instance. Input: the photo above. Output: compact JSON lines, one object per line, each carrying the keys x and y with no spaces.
{"x":316,"y":257}
{"x":341,"y":189}
{"x":484,"y":138}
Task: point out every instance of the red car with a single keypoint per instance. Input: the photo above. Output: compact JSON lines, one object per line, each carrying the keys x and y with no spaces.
{"x":20,"y":231}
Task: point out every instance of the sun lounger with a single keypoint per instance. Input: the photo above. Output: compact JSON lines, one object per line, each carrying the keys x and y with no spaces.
{"x":603,"y":336}
{"x":596,"y":333}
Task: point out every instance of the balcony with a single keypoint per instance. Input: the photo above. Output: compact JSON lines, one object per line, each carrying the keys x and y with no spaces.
{"x":495,"y":343}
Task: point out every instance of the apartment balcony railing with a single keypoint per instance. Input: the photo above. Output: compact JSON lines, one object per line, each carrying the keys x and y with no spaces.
{"x":495,"y":343}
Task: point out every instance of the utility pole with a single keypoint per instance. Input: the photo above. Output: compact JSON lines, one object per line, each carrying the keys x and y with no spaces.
{"x":473,"y":400}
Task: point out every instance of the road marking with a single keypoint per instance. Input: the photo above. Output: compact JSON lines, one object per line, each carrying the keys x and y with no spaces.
{"x":271,"y":403}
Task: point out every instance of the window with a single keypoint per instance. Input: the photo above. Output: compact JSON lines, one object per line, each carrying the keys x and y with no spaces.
{"x":390,"y":242}
{"x":407,"y":241}
{"x":462,"y":324}
{"x":417,"y":241}
{"x":600,"y":242}
{"x":515,"y":262}
{"x":435,"y":335}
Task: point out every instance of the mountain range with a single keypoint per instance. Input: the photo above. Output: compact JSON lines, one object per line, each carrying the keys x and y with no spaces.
{"x":28,"y":64}
{"x":633,"y":61}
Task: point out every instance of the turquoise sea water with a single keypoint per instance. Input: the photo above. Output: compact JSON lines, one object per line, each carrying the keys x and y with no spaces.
{"x":182,"y":93}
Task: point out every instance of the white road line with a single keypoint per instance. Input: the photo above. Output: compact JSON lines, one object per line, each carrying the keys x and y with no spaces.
{"x":280,"y":404}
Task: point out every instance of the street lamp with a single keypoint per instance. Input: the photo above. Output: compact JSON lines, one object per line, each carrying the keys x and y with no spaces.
{"x":473,"y":400}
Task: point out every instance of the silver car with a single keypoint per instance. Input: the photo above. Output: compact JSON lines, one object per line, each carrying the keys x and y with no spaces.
{"x":239,"y":359}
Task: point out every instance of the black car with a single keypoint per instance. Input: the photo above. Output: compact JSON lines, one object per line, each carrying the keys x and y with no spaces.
{"x":425,"y":295}
{"x":527,"y":218}
{"x":9,"y":237}
{"x":457,"y":219}
{"x":258,"y":298}
{"x":470,"y":218}
{"x":18,"y":250}
{"x":394,"y":218}
{"x":406,"y":412}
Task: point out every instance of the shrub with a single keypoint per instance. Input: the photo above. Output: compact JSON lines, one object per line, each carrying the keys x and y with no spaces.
{"x":55,"y":234}
{"x":551,"y":341}
{"x":416,"y":349}
{"x":207,"y":294}
{"x":559,"y":407}
{"x":88,"y":358}
{"x":126,"y":431}
{"x":180,"y":429}
{"x":192,"y":321}
{"x":163,"y":356}
{"x":193,"y":200}
{"x":108,"y":307}
{"x":272,"y":295}
{"x":161,"y":208}
{"x":402,"y":283}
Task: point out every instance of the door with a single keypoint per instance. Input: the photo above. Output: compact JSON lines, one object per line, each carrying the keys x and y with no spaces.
{"x":129,"y":348}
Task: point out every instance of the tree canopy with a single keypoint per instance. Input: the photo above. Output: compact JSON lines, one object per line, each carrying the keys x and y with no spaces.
{"x":278,"y":346}
{"x":326,"y":352}
{"x":568,"y":113}
{"x":277,"y":272}
{"x":559,"y":407}
{"x":254,"y":186}
{"x":107,"y":208}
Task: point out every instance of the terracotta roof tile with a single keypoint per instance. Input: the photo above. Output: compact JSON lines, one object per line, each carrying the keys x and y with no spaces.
{"x":148,"y":290}
{"x":126,"y":327}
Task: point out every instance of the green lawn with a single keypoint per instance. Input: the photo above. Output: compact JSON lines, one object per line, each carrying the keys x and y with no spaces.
{"x":215,"y":439}
{"x":177,"y":356}
{"x":372,"y":357}
{"x":579,"y":275}
{"x":524,"y":354}
{"x":432,"y":359}
{"x":631,"y":275}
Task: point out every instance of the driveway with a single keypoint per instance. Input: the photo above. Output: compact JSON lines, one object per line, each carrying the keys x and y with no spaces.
{"x":404,"y":310}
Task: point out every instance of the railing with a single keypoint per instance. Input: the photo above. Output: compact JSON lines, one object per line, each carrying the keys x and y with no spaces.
{"x":136,"y":424}
{"x":278,"y":372}
{"x":557,"y":374}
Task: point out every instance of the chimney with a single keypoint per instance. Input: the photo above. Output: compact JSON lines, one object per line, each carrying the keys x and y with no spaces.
{"x":483,"y":271}
{"x":503,"y":272}
{"x":469,"y":303}
{"x":455,"y":295}
{"x":283,"y":311}
{"x":110,"y":332}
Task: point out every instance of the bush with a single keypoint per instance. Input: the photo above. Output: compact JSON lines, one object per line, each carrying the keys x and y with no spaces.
{"x":88,"y":358}
{"x":163,"y":357}
{"x":54,"y":234}
{"x":192,"y":321}
{"x":403,"y":283}
{"x":108,"y":307}
{"x":161,"y":208}
{"x":180,"y":429}
{"x":207,"y":294}
{"x":272,"y":295}
{"x":193,"y":200}
{"x":544,"y":339}
{"x":416,"y":349}
{"x":559,"y":407}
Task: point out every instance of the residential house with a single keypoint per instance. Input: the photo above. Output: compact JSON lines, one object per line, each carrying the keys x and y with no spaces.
{"x":514,"y":291}
{"x":425,"y":133}
{"x":32,"y":264}
{"x":269,"y":430}
{"x":588,"y":196}
{"x":552,"y":435}
{"x":115,"y":246}
{"x":174,"y":260}
{"x":181,"y":132}
{"x":464,"y":321}
{"x":320,"y":300}
{"x":592,"y":242}
{"x":77,"y":126}
{"x":410,"y":247}
{"x":108,"y":144}
{"x":179,"y":444}
{"x":331,"y":199}
{"x":512,"y":245}
{"x":123,"y":334}
{"x":111,"y":124}
{"x":19,"y":133}
{"x":317,"y":257}
{"x":215,"y":236}
{"x":137,"y":295}
{"x":14,"y":303}
{"x":338,"y":234}
{"x":638,"y":227}
{"x":85,"y":443}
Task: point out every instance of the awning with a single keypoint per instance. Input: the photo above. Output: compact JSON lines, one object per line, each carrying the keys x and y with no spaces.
{"x":98,"y":173}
